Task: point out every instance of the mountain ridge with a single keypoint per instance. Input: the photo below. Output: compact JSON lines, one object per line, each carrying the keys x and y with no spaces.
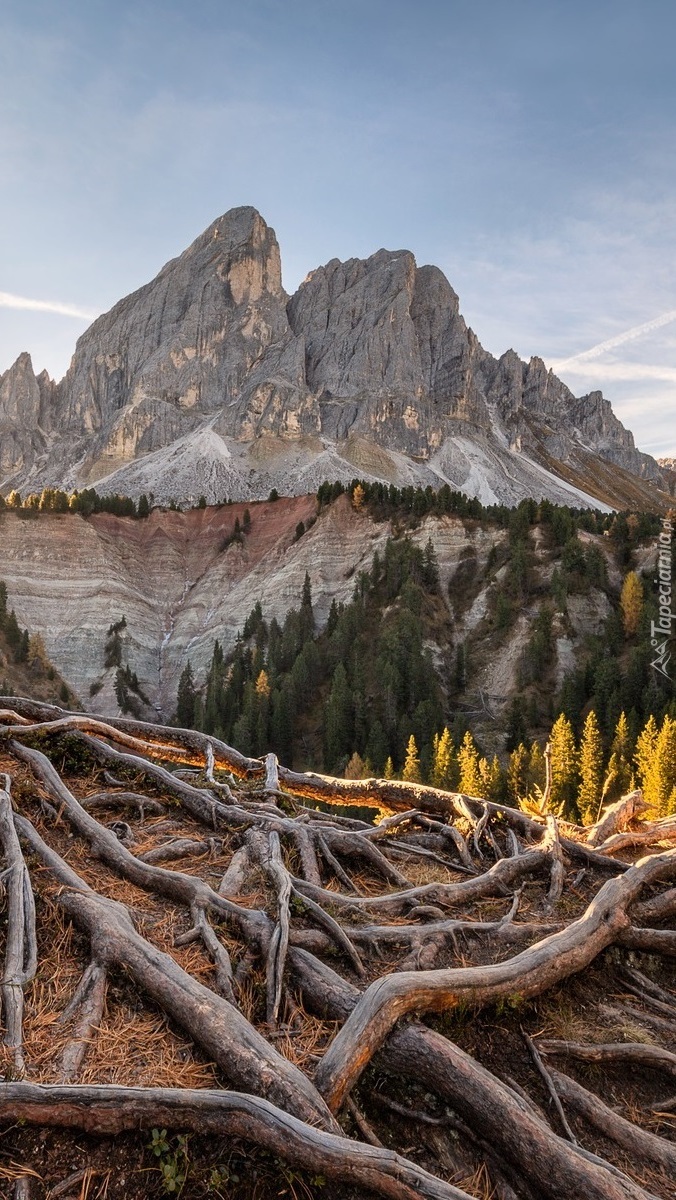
{"x":211,"y":380}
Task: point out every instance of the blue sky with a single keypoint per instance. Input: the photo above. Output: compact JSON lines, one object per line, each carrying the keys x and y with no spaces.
{"x":526,"y":147}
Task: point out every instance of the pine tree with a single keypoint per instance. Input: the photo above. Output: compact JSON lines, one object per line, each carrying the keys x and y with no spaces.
{"x":430,"y":567}
{"x":564,"y":767}
{"x":443,"y":761}
{"x":338,"y":720}
{"x":646,"y":745}
{"x":631,"y":603}
{"x":411,"y":771}
{"x":491,"y":779}
{"x":591,"y":771}
{"x":660,"y":777}
{"x":358,"y":497}
{"x":517,"y":774}
{"x":470,"y":782}
{"x":185,"y":698}
{"x":388,"y":769}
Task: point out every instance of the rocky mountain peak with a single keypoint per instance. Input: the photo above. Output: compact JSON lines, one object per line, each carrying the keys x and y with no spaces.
{"x":210,"y":379}
{"x":20,"y":393}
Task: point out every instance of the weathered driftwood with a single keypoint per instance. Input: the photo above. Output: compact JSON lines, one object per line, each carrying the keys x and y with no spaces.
{"x":112,"y":1110}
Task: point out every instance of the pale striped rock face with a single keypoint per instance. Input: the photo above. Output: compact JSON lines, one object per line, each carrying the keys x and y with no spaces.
{"x":69,"y":579}
{"x":210,"y":380}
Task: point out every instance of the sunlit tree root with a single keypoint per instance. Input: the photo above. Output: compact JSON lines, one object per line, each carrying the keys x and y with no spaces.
{"x":179,"y":744}
{"x":112,"y":1110}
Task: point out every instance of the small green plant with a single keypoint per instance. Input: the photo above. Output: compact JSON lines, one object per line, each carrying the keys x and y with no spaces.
{"x":174,"y":1161}
{"x":219,"y":1178}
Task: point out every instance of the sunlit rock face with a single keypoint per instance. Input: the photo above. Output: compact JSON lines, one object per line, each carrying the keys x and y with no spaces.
{"x":211,"y":380}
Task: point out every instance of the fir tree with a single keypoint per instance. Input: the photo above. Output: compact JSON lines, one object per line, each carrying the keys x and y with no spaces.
{"x":444,"y":763}
{"x":631,"y":603}
{"x":646,"y":745}
{"x":564,"y":767}
{"x":470,"y":782}
{"x":185,"y":699}
{"x":411,"y":772}
{"x":591,"y":771}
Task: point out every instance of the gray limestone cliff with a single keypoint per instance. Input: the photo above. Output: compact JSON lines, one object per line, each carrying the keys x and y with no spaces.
{"x":210,"y":379}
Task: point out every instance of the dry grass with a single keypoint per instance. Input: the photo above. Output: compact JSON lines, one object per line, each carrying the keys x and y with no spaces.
{"x":477,"y":1184}
{"x":140,"y":1050}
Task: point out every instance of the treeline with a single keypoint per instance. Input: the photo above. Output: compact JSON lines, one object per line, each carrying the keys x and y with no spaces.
{"x":386,"y":501}
{"x":85,"y":502}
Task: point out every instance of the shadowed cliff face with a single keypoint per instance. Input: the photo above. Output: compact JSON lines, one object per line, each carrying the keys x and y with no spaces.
{"x":211,"y":380}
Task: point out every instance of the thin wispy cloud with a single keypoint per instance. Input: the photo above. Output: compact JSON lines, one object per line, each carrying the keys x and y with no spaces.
{"x":629,"y":335}
{"x":8,"y":300}
{"x":619,"y":372}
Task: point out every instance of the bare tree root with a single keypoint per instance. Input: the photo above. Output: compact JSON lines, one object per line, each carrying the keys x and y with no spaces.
{"x":616,"y":817}
{"x":639,"y":1143}
{"x":448,"y":904}
{"x":111,"y":1110}
{"x":528,"y":973}
{"x":556,"y":1168}
{"x":89,"y":1005}
{"x":618,"y":1052}
{"x":228,"y":1038}
{"x":21,"y":947}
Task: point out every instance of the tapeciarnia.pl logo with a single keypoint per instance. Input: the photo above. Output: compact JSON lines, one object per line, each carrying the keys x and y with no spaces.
{"x":660,"y":630}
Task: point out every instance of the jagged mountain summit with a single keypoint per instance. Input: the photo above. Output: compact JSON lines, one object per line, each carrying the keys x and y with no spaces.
{"x":212,"y":380}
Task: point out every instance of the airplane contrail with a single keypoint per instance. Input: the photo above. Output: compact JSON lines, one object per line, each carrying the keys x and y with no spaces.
{"x":619,"y":340}
{"x":7,"y":300}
